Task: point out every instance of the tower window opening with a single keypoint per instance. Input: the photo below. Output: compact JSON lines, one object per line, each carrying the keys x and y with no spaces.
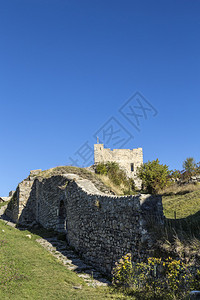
{"x":132,"y":167}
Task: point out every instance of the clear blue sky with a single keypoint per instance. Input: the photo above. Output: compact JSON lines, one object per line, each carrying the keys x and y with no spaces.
{"x":68,"y":66}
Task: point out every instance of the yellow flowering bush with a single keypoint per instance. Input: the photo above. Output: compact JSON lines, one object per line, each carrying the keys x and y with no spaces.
{"x":122,"y":273}
{"x":157,"y":278}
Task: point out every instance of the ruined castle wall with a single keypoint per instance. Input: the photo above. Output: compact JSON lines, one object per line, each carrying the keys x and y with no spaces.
{"x":124,"y":157}
{"x":103,"y":228}
{"x":49,"y":194}
{"x":42,"y":203}
{"x":19,"y":200}
{"x":100,"y":227}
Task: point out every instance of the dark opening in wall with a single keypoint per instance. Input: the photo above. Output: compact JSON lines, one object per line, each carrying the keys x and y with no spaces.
{"x":38,"y":211}
{"x":62,"y":210}
{"x":62,"y":218}
{"x":132,"y":167}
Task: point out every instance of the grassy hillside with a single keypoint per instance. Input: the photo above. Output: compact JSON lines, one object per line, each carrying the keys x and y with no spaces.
{"x":184,"y":203}
{"x":182,"y":209}
{"x":28,"y":271}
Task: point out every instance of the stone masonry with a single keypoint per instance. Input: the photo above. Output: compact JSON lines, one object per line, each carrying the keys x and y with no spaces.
{"x":100,"y":227}
{"x":128,"y":160}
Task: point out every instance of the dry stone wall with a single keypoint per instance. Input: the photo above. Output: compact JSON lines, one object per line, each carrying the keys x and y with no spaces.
{"x":100,"y":227}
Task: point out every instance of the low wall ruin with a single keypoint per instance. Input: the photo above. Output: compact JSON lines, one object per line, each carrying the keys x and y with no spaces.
{"x":100,"y":227}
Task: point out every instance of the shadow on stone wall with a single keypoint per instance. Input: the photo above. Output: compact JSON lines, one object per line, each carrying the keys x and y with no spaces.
{"x":100,"y":227}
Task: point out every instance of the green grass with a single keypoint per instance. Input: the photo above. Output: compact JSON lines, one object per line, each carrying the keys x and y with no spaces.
{"x":28,"y":271}
{"x":184,"y":205}
{"x":3,"y":203}
{"x":182,"y":209}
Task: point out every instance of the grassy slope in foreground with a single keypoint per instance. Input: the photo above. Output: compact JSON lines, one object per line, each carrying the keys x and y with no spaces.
{"x":184,"y":205}
{"x":45,"y":277}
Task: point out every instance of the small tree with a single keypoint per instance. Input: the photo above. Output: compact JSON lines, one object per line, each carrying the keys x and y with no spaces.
{"x":154,"y":175}
{"x":198,"y":168}
{"x":189,"y":165}
{"x":175,"y":175}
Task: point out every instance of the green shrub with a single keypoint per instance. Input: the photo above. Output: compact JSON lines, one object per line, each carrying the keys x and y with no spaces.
{"x":101,"y":168}
{"x":154,"y":175}
{"x":130,"y":188}
{"x":191,"y":168}
{"x":189,"y":165}
{"x":156,"y":279}
{"x":117,"y":176}
{"x":175,"y":174}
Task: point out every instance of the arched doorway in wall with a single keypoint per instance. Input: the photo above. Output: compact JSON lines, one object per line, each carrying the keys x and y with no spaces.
{"x":62,"y":217}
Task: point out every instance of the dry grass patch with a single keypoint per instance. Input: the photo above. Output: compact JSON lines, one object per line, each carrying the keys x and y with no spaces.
{"x":82,"y":172}
{"x":119,"y":190}
{"x":180,"y":189}
{"x":116,"y":189}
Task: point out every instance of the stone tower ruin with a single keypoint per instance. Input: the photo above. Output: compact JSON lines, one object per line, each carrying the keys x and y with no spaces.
{"x":128,"y":159}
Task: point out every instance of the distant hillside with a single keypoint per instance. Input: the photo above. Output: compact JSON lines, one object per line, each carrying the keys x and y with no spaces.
{"x":182,"y":209}
{"x":184,"y":203}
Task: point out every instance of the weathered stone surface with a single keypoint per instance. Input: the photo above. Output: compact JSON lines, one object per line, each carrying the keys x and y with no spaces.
{"x":128,"y":159}
{"x":194,"y":295}
{"x":100,"y":227}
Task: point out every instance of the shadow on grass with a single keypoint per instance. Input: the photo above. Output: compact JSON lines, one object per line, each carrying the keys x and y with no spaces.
{"x":180,"y":193}
{"x":190,"y":226}
{"x":57,"y":244}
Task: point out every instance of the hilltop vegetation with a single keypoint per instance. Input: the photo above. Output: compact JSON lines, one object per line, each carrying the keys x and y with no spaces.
{"x":115,"y":178}
{"x":154,"y":176}
{"x":82,"y":172}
